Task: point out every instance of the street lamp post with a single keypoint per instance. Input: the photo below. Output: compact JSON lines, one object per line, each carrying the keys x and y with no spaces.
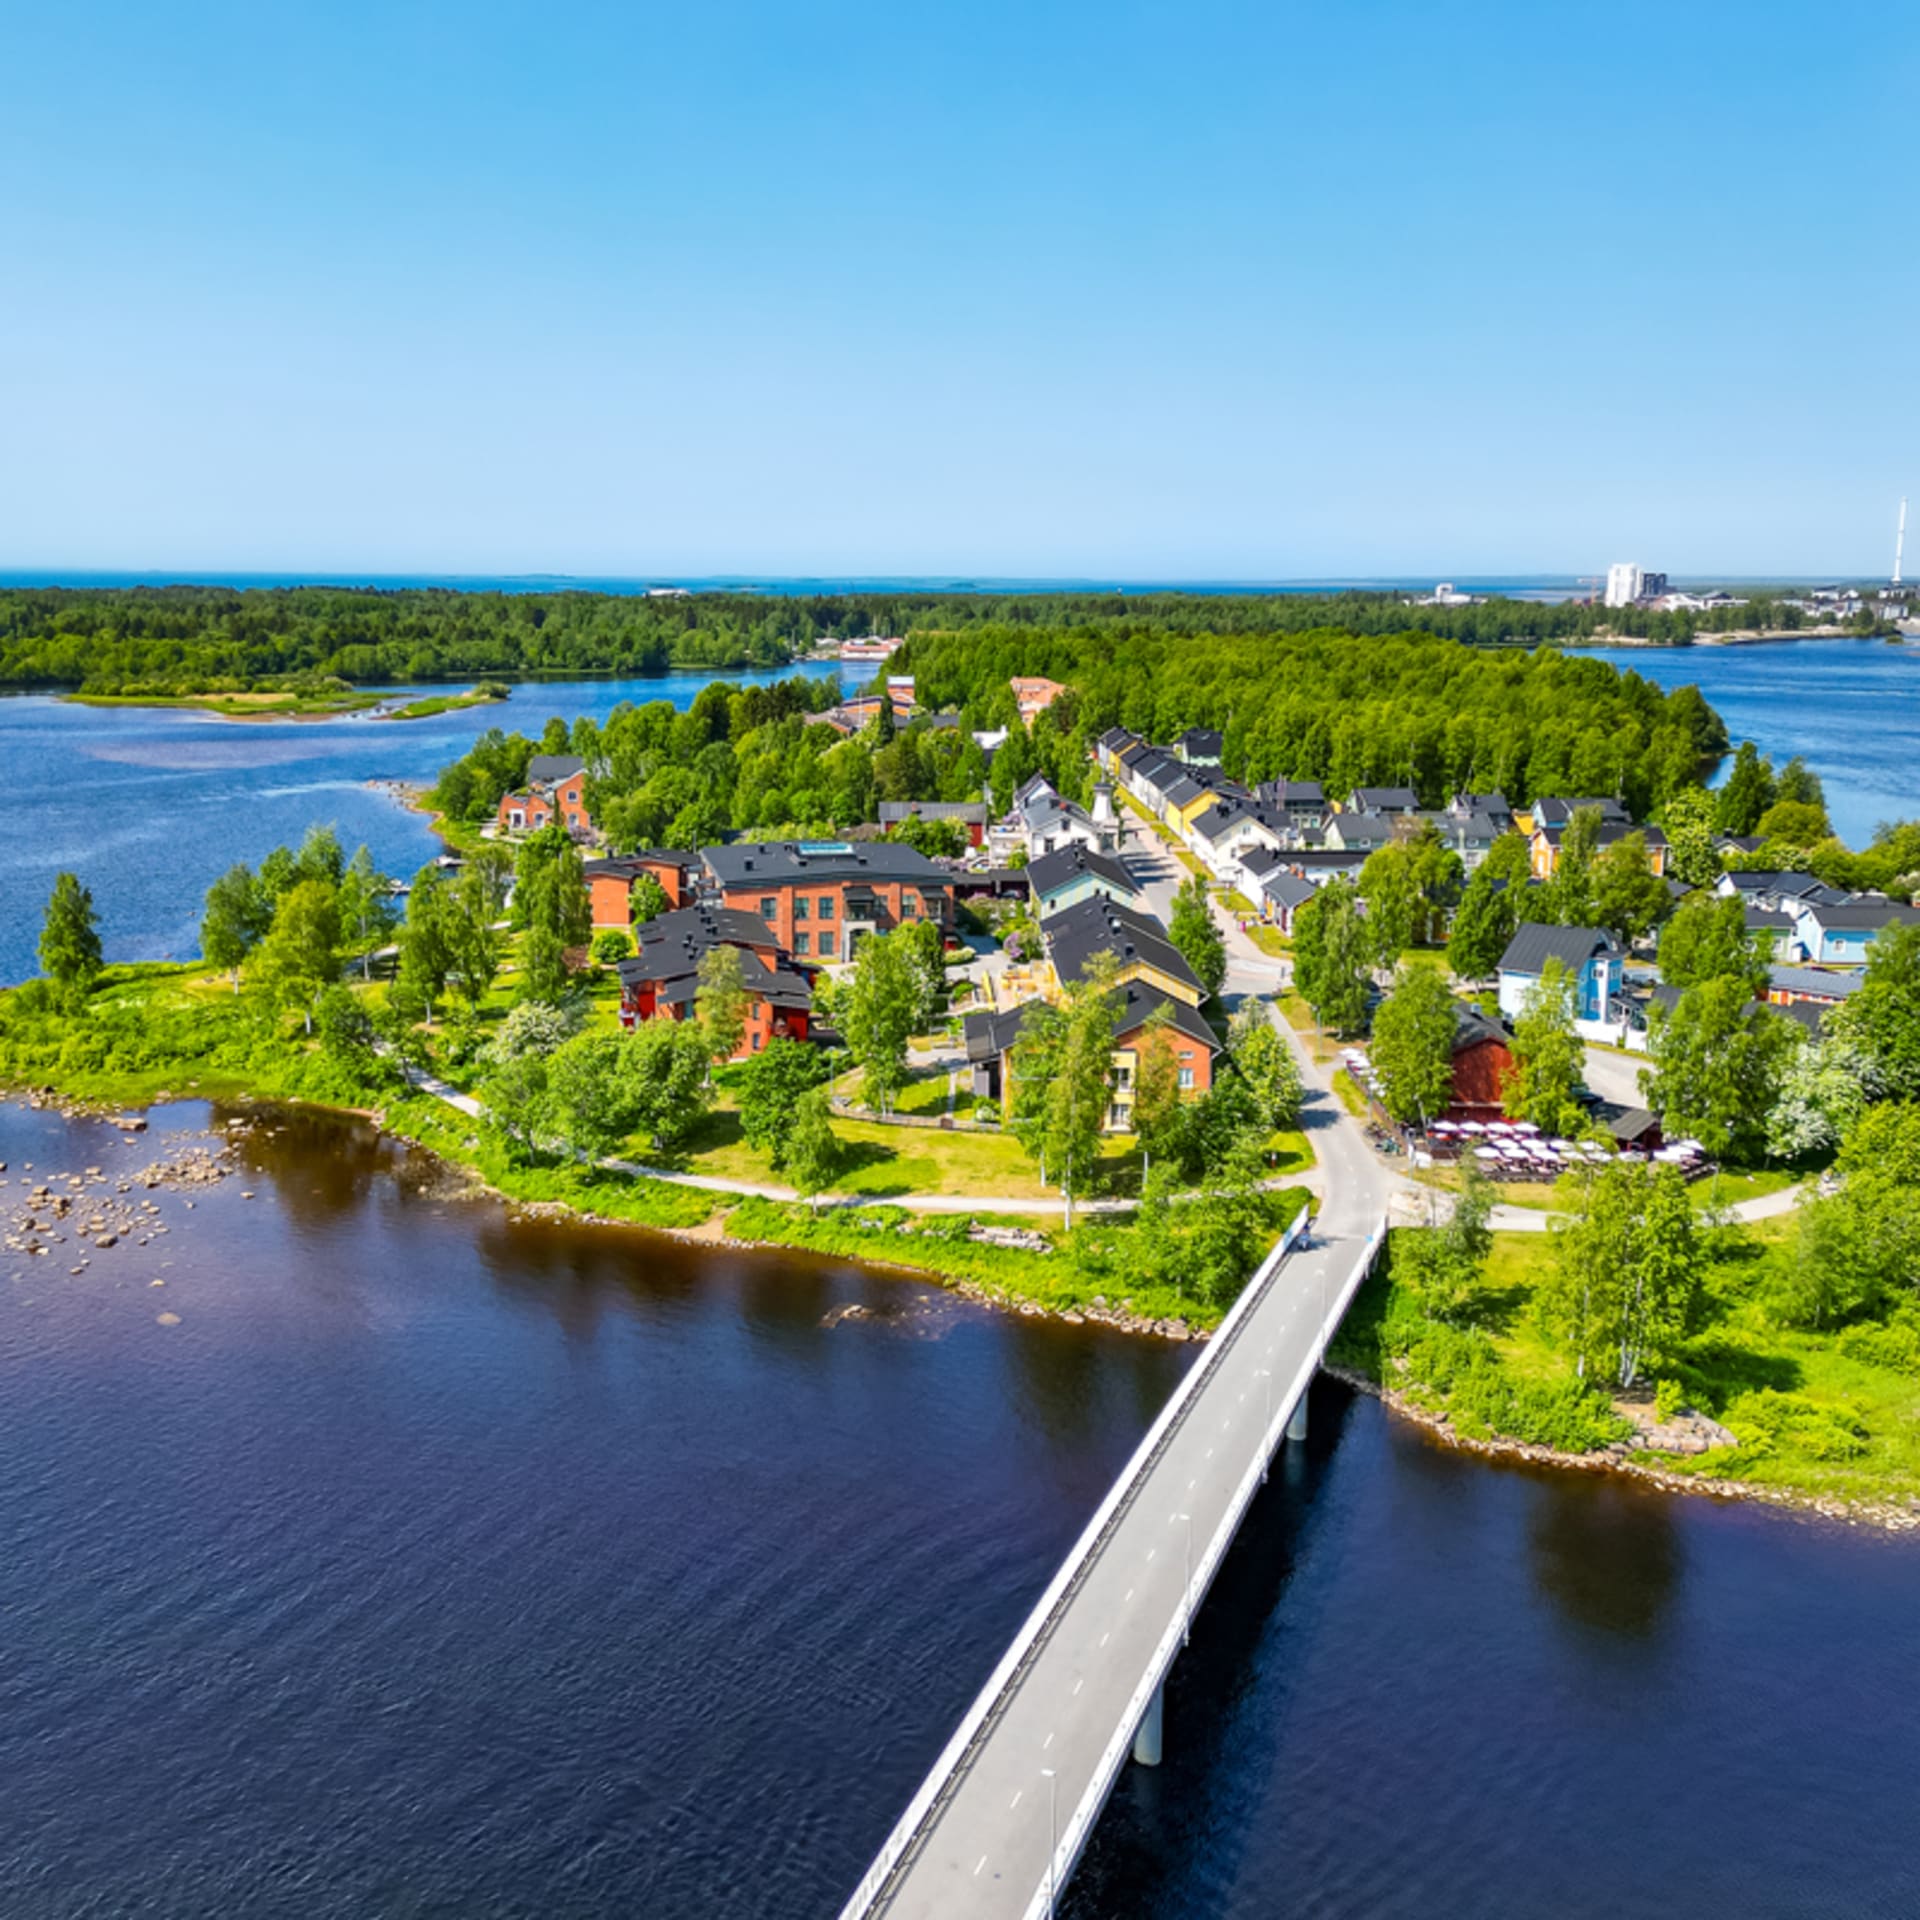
{"x":1053,"y":1833}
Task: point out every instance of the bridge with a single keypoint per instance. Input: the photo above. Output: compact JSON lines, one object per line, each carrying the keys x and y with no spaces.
{"x":998,"y":1824}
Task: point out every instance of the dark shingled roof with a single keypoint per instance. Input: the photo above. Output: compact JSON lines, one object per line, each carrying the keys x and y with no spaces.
{"x":545,"y":768}
{"x":1383,"y":800}
{"x":1053,"y":870}
{"x":1099,"y":925}
{"x":1533,"y":946}
{"x":991,"y":1034}
{"x":749,"y":863}
{"x":671,"y":948}
{"x":1554,"y":810}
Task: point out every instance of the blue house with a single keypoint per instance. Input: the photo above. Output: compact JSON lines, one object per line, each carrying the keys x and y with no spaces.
{"x":1074,"y":873}
{"x":1838,"y":933}
{"x":1593,"y":959}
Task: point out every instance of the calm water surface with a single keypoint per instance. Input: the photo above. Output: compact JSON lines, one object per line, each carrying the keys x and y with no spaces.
{"x":149,"y":805}
{"x":441,"y":1562}
{"x":1852,"y":707}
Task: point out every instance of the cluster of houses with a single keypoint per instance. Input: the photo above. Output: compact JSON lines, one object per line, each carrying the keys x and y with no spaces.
{"x":1276,"y":841}
{"x":789,"y":907}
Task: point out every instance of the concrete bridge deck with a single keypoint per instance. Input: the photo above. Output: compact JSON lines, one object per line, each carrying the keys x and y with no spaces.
{"x":999,"y":1822}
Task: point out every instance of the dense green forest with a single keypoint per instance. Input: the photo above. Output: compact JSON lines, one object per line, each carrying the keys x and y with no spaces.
{"x":193,"y":639}
{"x":1340,"y":708}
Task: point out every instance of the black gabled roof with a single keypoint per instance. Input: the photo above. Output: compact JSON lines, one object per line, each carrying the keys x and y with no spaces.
{"x":1184,"y":791}
{"x":629,"y":866}
{"x":1555,"y":810}
{"x":1293,"y":793}
{"x":1286,"y":887}
{"x":1055,"y":869}
{"x":1471,"y":1027}
{"x":671,"y":947}
{"x":1384,"y":800}
{"x":1876,"y":914}
{"x":1132,"y":1005}
{"x":747,"y":863}
{"x":1533,"y":946}
{"x":1204,"y":740}
{"x":1099,"y":925}
{"x":545,"y":768}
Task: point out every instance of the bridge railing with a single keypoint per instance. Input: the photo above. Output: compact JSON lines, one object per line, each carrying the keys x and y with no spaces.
{"x":979,"y":1718}
{"x":1079,"y":1825}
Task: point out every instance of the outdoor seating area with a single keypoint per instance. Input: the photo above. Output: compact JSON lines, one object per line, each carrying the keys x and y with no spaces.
{"x":1516,"y":1150}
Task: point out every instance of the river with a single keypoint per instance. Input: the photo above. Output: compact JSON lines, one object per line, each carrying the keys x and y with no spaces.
{"x":1852,"y":707}
{"x":441,"y":1561}
{"x":150,"y":805}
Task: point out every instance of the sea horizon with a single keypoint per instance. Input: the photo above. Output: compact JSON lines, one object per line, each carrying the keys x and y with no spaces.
{"x":1543,"y":586}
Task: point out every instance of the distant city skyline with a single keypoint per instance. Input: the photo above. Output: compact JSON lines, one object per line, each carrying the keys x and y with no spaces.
{"x":1199,"y":294}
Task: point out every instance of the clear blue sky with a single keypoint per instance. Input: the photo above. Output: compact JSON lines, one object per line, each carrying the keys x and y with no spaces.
{"x":1179,"y":290}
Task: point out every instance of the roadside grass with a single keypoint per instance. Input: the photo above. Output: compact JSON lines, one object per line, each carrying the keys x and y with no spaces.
{"x":1270,"y":940}
{"x":1350,"y":1096}
{"x":1299,"y":1016}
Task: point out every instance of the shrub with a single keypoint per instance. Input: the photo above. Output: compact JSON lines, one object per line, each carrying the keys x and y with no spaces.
{"x":1896,"y":1347}
{"x":1669,"y":1397}
{"x":1766,"y":1420}
{"x":612,"y":945}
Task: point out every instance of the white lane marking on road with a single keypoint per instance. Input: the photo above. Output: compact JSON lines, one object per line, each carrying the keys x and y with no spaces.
{"x":1046,"y":1743}
{"x":1129,"y":1596}
{"x":1105,"y":1637}
{"x":1078,"y":1684}
{"x":1015,"y":1801}
{"x":983,"y":1862}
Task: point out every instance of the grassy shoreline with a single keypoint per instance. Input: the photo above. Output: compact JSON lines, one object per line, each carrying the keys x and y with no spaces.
{"x":1821,"y":1419}
{"x":288,"y":706}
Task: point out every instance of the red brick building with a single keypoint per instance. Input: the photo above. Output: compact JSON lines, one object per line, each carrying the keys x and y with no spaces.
{"x":818,"y":898}
{"x":556,"y":789}
{"x":662,"y":981}
{"x":610,"y":882}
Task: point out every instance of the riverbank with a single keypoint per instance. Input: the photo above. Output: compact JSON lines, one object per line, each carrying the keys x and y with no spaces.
{"x":1889,"y":1517}
{"x":1743,"y":1406}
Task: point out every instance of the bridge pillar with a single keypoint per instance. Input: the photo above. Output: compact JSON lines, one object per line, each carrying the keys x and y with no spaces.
{"x":1147,"y":1738}
{"x":1297,"y":1420}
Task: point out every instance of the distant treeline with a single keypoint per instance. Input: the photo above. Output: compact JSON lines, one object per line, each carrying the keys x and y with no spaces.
{"x":190,"y":639}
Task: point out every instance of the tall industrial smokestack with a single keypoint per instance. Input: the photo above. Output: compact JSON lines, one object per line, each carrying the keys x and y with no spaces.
{"x":1900,"y":541}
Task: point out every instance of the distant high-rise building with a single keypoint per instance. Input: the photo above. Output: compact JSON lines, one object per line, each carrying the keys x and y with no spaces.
{"x":1627,"y":583}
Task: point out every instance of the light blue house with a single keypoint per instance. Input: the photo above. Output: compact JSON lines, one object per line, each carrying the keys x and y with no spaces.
{"x":1830,"y":933}
{"x":1593,"y":959}
{"x":1074,"y":873}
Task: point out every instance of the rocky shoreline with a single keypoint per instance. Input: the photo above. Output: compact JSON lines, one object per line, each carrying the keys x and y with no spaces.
{"x":1886,"y":1516}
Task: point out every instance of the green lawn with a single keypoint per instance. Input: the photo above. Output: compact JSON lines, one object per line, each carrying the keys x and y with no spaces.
{"x":1812,"y":1415}
{"x":1270,"y":940}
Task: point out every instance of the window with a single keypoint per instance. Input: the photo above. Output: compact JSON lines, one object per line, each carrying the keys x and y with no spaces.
{"x":826,"y":906}
{"x":769,"y":908}
{"x":799,"y":906}
{"x":826,"y":946}
{"x":1123,"y":1077}
{"x":1186,"y":1079}
{"x":759,"y":1039}
{"x":802,"y":942}
{"x":909,"y":902}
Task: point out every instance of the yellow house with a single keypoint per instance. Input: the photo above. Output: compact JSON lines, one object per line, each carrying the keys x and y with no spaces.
{"x":1137,"y":941}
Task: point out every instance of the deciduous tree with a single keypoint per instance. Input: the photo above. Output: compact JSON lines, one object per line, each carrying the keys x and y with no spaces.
{"x":1413,"y":1044}
{"x":1195,"y":932}
{"x":70,"y":934}
{"x":1548,"y":1060}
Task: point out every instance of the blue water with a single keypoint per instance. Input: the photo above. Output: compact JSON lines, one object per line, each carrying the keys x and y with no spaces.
{"x":448,"y":1564}
{"x":1852,"y":707}
{"x":149,"y":806}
